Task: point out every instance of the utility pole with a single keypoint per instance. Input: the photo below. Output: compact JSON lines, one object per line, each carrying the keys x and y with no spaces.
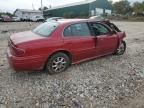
{"x":42,"y":7}
{"x":33,"y":6}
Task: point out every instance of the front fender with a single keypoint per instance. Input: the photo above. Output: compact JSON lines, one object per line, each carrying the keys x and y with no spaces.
{"x":121,"y":36}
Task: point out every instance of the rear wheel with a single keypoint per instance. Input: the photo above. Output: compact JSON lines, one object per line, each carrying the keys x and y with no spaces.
{"x":121,"y":49}
{"x":57,"y":63}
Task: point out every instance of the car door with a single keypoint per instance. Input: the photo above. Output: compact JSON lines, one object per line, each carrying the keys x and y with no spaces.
{"x":79,"y":41}
{"x":106,"y":41}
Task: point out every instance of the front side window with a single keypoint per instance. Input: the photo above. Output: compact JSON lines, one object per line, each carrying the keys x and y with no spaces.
{"x":46,"y":28}
{"x":79,"y":29}
{"x":99,"y":29}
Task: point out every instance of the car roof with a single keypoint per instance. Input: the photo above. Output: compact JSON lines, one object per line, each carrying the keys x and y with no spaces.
{"x":65,"y":21}
{"x":71,"y":21}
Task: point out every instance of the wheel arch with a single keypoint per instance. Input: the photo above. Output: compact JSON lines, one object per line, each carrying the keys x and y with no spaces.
{"x":59,"y":51}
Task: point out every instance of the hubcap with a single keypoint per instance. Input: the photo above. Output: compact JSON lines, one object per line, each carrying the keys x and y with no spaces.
{"x":121,"y":48}
{"x":58,"y":64}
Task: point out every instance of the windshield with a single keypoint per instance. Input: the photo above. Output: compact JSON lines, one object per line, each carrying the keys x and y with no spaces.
{"x":46,"y":28}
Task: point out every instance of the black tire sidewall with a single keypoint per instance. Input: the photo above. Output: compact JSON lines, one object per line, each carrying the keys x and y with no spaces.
{"x":124,"y":43}
{"x":49,"y":62}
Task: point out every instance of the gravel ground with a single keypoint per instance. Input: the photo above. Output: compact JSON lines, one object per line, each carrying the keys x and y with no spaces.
{"x":107,"y":82}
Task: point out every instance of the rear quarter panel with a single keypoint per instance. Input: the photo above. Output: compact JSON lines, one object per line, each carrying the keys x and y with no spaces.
{"x":40,"y":50}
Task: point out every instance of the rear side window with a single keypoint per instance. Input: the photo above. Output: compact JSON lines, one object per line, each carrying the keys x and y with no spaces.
{"x":67,"y":31}
{"x":99,"y":29}
{"x":79,"y":29}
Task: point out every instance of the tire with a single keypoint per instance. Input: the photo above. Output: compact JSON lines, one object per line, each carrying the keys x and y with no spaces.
{"x":57,"y":63}
{"x":121,"y":49}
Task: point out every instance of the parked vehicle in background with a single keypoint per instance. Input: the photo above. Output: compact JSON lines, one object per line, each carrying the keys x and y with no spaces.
{"x":55,"y":45}
{"x":1,"y":19}
{"x":25,"y":19}
{"x":54,"y":19}
{"x":16,"y":19}
{"x":6,"y":18}
{"x":37,"y":18}
{"x":97,"y":18}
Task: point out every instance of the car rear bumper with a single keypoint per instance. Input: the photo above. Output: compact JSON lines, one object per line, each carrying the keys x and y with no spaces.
{"x":25,"y":63}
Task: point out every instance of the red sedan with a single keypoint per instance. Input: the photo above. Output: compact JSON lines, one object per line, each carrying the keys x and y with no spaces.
{"x":56,"y":45}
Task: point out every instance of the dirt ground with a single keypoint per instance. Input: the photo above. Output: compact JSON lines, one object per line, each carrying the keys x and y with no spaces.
{"x":107,"y":82}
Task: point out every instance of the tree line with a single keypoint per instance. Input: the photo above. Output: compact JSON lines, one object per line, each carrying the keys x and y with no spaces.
{"x":124,"y":7}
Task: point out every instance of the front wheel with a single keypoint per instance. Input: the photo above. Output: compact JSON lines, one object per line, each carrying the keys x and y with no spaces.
{"x":121,"y":49}
{"x":57,"y":63}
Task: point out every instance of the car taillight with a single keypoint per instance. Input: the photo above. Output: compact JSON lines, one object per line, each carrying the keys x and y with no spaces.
{"x":15,"y":50}
{"x":19,"y":52}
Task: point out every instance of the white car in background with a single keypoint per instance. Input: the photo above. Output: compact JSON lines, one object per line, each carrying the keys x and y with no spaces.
{"x":54,"y":19}
{"x":37,"y":18}
{"x":97,"y":18}
{"x":16,"y":19}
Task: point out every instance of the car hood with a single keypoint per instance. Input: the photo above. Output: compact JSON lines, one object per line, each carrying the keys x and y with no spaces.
{"x":26,"y":36}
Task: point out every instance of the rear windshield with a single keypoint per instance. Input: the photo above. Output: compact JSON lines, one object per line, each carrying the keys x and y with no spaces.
{"x":46,"y":28}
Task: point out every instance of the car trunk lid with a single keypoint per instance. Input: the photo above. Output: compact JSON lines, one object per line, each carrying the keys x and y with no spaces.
{"x":26,"y":36}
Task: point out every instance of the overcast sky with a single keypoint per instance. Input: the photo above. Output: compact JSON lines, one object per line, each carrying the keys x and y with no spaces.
{"x":11,"y":5}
